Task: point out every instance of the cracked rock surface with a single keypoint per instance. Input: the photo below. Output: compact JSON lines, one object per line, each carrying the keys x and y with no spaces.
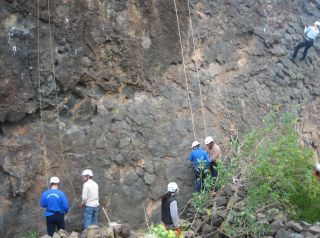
{"x":121,"y":104}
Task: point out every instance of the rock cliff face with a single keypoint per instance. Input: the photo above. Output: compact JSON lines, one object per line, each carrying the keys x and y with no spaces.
{"x":121,"y":104}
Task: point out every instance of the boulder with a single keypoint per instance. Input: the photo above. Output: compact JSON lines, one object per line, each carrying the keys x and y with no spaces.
{"x":116,"y":228}
{"x":282,"y":234}
{"x":275,"y":226}
{"x":63,"y":233}
{"x":125,"y":230}
{"x":315,"y":229}
{"x":74,"y":235}
{"x":295,"y":226}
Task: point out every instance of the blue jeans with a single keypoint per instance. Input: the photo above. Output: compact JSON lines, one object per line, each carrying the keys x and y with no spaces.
{"x":90,"y":216}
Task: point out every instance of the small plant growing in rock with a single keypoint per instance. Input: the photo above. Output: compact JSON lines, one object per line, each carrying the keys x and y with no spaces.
{"x":161,"y":232}
{"x":31,"y":234}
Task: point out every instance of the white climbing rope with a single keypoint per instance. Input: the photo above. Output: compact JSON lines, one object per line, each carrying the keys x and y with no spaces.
{"x":57,"y":109}
{"x":40,"y":104}
{"x":197,"y":70}
{"x":184,"y":70}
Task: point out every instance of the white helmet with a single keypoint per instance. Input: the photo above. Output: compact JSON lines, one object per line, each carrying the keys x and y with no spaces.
{"x":87,"y":172}
{"x":318,"y":167}
{"x":208,"y":140}
{"x":317,"y":23}
{"x":195,"y":143}
{"x":55,"y":180}
{"x":173,"y":187}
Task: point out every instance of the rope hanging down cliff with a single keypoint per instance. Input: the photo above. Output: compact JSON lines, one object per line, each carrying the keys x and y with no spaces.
{"x":40,"y":105}
{"x":56,"y":99}
{"x":197,"y":70}
{"x":184,"y":70}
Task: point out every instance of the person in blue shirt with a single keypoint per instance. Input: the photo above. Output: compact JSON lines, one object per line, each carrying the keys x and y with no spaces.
{"x":201,"y":163}
{"x":56,"y":204}
{"x":311,"y":34}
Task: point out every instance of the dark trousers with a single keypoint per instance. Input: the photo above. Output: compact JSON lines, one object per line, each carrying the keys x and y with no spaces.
{"x":200,"y":175}
{"x":306,"y":44}
{"x":55,"y":221}
{"x":213,"y":169}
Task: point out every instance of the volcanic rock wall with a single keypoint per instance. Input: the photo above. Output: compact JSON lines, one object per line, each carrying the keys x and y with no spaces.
{"x":114,"y":99}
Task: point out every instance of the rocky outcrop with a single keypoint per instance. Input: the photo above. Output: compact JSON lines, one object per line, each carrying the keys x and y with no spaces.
{"x":121,"y":98}
{"x":113,"y":230}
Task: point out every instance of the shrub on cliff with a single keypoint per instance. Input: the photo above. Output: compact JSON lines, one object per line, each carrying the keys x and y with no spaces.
{"x":280,"y":168}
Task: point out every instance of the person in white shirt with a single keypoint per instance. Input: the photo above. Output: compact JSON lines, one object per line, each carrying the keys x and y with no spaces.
{"x":311,"y":34}
{"x":90,"y":199}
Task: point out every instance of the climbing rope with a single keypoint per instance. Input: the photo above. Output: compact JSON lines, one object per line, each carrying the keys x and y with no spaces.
{"x":197,"y":69}
{"x":290,"y":10}
{"x":184,"y":69}
{"x":56,"y":99}
{"x":40,"y":104}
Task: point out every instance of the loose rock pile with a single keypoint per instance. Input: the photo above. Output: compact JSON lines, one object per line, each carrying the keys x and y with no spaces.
{"x":211,"y":222}
{"x":114,"y":230}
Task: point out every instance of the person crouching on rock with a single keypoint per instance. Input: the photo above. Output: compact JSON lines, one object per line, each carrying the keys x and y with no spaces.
{"x":201,"y":163}
{"x":90,"y":199}
{"x":311,"y":34}
{"x":169,"y":208}
{"x":56,"y":204}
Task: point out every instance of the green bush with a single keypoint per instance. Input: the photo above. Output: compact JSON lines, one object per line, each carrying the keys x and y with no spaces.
{"x":275,"y":167}
{"x":161,"y":232}
{"x":280,"y":169}
{"x":31,"y":234}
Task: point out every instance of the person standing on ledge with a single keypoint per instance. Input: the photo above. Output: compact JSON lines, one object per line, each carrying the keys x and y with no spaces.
{"x":90,"y":199}
{"x":56,"y":204}
{"x":311,"y":34}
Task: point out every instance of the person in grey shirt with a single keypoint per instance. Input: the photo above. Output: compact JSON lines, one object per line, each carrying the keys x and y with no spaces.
{"x":169,"y":208}
{"x":311,"y":34}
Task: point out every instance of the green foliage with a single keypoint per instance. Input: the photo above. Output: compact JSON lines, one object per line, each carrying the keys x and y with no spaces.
{"x":280,"y":169}
{"x":276,"y":169}
{"x":31,"y":234}
{"x":161,"y":232}
{"x":243,"y":224}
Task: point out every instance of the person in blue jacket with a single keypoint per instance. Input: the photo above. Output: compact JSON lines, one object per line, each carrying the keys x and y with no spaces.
{"x":201,"y":162}
{"x":56,"y":204}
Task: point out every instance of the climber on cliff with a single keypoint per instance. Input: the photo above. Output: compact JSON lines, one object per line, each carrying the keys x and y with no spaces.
{"x":311,"y":34}
{"x":201,"y":163}
{"x":169,"y":208}
{"x":90,"y":199}
{"x":214,"y":155}
{"x":56,"y":204}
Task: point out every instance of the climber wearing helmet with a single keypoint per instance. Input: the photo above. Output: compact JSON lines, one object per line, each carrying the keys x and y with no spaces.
{"x":317,"y":171}
{"x":214,"y":154}
{"x":311,"y":34}
{"x":169,"y":208}
{"x":56,"y":204}
{"x":90,"y":199}
{"x":201,"y":163}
